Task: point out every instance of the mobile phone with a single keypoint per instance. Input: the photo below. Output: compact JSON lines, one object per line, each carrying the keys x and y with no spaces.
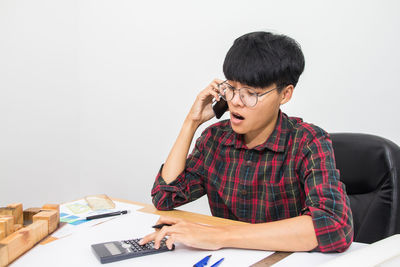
{"x":220,"y":107}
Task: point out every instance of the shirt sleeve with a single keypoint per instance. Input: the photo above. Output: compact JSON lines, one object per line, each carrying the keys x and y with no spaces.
{"x":187,"y":187}
{"x":326,"y":199}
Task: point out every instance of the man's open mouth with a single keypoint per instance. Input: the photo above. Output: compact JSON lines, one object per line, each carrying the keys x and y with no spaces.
{"x":237,"y":116}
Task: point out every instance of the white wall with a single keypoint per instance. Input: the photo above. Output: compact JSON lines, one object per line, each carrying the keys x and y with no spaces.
{"x":93,"y":93}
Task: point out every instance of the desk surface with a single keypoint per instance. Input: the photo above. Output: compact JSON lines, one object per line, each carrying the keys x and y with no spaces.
{"x":388,"y":250}
{"x":206,"y":219}
{"x":194,"y":217}
{"x":143,"y":211}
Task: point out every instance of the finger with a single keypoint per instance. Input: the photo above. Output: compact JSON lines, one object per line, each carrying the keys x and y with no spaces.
{"x":214,"y":92}
{"x":157,"y":223}
{"x":170,"y":241}
{"x":218,"y":86}
{"x":215,"y":86}
{"x":217,"y":81}
{"x":210,"y":90}
{"x":168,"y":220}
{"x":147,"y":238}
{"x":160,"y":235}
{"x":163,"y":221}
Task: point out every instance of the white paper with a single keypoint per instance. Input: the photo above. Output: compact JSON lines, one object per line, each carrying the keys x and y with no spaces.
{"x":81,"y":211}
{"x":309,"y":259}
{"x":75,"y":250}
{"x":380,"y":253}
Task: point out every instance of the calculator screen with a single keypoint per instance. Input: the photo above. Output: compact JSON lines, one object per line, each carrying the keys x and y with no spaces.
{"x":112,"y":248}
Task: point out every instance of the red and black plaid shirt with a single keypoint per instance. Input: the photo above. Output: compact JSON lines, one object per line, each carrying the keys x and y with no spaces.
{"x":293,"y":173}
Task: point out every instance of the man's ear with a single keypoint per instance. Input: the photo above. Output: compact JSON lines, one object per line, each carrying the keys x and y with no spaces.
{"x":286,"y":94}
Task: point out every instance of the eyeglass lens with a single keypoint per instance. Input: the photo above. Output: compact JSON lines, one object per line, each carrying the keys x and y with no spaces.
{"x":247,"y":96}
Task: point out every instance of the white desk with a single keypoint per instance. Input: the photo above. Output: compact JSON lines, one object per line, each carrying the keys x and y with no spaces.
{"x":75,"y":250}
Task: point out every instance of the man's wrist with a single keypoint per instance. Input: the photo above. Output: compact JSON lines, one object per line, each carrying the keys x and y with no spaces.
{"x":223,"y":237}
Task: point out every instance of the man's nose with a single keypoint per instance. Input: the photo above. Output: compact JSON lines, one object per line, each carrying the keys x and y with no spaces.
{"x":236,"y":100}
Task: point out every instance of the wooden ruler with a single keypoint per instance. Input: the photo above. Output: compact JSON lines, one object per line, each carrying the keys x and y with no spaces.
{"x":271,"y":259}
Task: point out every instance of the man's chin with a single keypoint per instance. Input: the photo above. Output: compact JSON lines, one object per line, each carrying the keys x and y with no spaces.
{"x":238,"y":129}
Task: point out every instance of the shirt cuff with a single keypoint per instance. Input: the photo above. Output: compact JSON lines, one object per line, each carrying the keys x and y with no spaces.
{"x":330,"y":237}
{"x":171,"y":187}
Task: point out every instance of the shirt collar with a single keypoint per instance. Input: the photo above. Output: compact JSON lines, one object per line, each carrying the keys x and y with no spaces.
{"x":275,"y":142}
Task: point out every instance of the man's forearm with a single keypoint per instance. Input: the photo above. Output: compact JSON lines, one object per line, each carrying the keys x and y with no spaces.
{"x":294,"y":234}
{"x":176,"y":160}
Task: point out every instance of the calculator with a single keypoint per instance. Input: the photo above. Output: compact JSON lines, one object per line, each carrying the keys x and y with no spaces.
{"x":125,"y":249}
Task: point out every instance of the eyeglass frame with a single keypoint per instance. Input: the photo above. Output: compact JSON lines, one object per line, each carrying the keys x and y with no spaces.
{"x":234,"y":89}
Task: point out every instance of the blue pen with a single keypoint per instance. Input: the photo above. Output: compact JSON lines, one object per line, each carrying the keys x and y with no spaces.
{"x":217,"y":263}
{"x":203,"y":262}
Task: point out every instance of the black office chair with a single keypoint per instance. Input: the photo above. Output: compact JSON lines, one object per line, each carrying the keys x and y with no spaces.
{"x":370,"y":168}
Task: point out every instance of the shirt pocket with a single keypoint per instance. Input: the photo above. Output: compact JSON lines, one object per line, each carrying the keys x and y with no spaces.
{"x":284,"y":194}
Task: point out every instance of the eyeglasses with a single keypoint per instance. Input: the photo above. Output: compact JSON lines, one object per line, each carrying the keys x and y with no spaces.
{"x":247,"y":95}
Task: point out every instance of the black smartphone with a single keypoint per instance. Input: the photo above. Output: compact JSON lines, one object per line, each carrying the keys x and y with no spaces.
{"x":220,"y":107}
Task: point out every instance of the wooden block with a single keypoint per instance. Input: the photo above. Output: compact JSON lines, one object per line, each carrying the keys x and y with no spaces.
{"x":3,"y":255}
{"x":9,"y":212}
{"x":18,"y":243}
{"x":39,"y":229}
{"x":28,"y":215}
{"x":17,"y":227}
{"x":18,"y":212}
{"x":6,"y":211}
{"x":7,"y":224}
{"x":2,"y":234}
{"x":52,"y":207}
{"x":50,"y":216}
{"x":55,"y":207}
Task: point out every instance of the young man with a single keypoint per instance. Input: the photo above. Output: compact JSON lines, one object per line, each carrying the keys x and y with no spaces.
{"x":276,"y":172}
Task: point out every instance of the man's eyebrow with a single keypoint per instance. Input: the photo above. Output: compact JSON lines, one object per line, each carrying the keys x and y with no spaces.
{"x":230,"y":84}
{"x":257,"y":90}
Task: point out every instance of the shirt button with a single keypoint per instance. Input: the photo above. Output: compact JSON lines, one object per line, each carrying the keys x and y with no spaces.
{"x":243,"y":192}
{"x":248,"y":162}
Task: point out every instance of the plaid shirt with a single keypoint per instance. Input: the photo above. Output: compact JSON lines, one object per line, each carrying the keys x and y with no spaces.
{"x":293,"y":173}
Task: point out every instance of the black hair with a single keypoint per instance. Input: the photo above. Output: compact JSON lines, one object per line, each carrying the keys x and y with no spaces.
{"x":260,"y":59}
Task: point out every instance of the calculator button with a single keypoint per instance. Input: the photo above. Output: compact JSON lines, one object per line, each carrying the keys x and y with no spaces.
{"x":124,"y":245}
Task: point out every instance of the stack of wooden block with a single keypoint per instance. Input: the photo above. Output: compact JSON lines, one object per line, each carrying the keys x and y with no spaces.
{"x":21,"y":229}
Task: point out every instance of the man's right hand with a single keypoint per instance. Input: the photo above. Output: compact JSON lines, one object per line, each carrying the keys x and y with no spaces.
{"x":201,"y":110}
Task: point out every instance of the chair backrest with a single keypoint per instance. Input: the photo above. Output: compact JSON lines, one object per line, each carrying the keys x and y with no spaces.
{"x":370,"y":168}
